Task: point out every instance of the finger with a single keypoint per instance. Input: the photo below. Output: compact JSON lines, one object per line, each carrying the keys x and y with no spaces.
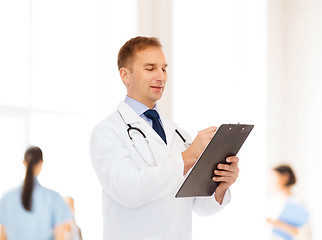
{"x":223,"y":173}
{"x":231,"y":175}
{"x":229,"y":180}
{"x":223,"y":166}
{"x":227,"y":167}
{"x":232,"y":159}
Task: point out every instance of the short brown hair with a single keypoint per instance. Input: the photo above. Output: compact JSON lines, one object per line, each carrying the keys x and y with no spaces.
{"x":287,"y":170}
{"x":132,"y":46}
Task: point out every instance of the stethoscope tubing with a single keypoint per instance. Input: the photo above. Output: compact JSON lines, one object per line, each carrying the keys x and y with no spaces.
{"x":130,"y":128}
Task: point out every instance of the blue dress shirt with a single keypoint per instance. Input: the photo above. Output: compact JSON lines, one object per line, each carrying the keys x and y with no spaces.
{"x":48,"y":210}
{"x":140,"y":108}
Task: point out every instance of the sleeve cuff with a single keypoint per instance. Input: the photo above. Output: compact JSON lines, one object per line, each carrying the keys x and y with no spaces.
{"x":226,"y":200}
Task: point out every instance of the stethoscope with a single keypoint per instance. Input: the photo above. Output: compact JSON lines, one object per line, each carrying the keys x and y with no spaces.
{"x":132,"y":129}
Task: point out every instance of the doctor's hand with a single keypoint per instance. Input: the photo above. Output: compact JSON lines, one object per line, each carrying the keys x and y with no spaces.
{"x":192,"y":153}
{"x":226,"y":174}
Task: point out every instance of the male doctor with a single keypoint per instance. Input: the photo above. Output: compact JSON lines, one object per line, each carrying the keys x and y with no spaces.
{"x":141,"y":160}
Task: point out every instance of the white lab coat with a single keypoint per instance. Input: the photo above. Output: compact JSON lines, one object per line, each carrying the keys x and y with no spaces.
{"x":139,"y":200}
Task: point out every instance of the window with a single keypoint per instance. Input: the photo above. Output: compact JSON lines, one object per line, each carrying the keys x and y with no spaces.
{"x":58,"y":78}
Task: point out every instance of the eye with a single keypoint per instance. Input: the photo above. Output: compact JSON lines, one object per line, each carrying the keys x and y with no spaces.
{"x":164,"y":69}
{"x":149,"y":69}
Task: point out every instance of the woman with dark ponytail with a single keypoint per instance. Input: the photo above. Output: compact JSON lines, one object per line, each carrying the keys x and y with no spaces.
{"x":32,"y":212}
{"x":33,"y":162}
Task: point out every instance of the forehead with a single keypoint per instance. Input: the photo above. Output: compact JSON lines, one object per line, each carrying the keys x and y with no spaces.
{"x":150,"y":55}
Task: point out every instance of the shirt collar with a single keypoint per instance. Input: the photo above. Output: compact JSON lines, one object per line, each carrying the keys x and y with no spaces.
{"x":137,"y":106}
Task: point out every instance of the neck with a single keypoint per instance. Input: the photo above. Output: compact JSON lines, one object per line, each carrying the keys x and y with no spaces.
{"x":286,"y":191}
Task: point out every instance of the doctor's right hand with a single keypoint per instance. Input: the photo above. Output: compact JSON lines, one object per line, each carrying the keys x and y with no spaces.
{"x":192,"y":153}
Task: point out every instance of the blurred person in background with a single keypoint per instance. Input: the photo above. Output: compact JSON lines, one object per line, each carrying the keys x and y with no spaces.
{"x":72,"y":232}
{"x":31,"y":211}
{"x":288,"y":217}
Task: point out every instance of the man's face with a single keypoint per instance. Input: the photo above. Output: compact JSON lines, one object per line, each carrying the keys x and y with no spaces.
{"x":146,"y":79}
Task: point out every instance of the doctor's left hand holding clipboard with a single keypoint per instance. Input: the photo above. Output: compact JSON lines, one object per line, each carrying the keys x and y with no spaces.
{"x":226,"y":142}
{"x":225,"y":174}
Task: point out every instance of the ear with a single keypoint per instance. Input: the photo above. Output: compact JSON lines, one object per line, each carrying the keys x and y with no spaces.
{"x":124,"y":73}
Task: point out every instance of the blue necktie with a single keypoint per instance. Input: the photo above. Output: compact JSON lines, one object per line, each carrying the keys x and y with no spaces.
{"x":154,"y":116}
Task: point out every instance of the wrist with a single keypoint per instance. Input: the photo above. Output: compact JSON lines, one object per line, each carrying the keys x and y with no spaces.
{"x":220,"y":194}
{"x":188,"y":160}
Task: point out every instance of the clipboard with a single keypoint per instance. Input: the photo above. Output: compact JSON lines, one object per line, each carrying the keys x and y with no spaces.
{"x":226,"y":142}
{"x":293,"y":214}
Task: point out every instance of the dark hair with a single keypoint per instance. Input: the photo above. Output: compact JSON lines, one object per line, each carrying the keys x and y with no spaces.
{"x":131,"y":47}
{"x":33,"y":156}
{"x":285,"y":169}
